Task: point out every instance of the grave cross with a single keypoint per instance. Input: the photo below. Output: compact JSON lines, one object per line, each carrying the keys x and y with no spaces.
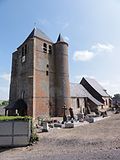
{"x":64,"y":115}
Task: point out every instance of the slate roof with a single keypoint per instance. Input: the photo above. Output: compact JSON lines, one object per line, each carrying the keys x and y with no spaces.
{"x":20,"y":103}
{"x":39,"y":34}
{"x":97,"y":86}
{"x":60,"y":38}
{"x":77,"y":90}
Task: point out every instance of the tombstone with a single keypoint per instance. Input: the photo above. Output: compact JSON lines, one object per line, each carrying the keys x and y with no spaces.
{"x":89,"y":119}
{"x":45,"y":127}
{"x":69,"y":125}
{"x":80,"y":117}
{"x":58,"y":125}
{"x":51,"y":125}
{"x":71,"y":113}
{"x":64,"y":115}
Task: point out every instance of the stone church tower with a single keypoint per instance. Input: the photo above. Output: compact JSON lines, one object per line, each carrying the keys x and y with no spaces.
{"x":39,"y":77}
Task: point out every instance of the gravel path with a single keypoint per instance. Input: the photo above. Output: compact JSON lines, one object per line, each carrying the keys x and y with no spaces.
{"x":96,"y":141}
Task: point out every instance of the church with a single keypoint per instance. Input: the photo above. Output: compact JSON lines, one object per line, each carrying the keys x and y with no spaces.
{"x":40,"y":80}
{"x":39,"y":76}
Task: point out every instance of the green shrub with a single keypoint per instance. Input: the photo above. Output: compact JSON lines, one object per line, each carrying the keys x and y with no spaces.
{"x":17,"y":118}
{"x":34,"y":137}
{"x":4,"y":102}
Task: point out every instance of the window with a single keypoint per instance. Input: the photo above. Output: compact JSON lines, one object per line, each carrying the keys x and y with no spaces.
{"x":78,"y":103}
{"x":46,"y":73}
{"x":25,"y":49}
{"x":24,"y":52}
{"x":47,"y":66}
{"x":106,"y":102}
{"x":22,"y":94}
{"x":44,"y":47}
{"x":50,"y":49}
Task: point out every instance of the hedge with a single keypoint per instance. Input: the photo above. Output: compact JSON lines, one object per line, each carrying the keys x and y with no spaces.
{"x":17,"y":118}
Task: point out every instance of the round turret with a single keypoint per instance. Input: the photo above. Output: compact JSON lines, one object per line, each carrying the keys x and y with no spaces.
{"x":62,"y":88}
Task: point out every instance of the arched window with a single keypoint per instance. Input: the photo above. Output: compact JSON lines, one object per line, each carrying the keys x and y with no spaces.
{"x":78,"y":103}
{"x":106,"y":102}
{"x":46,"y":73}
{"x":22,"y":94}
{"x":44,"y":47}
{"x":50,"y":49}
{"x":24,"y":52}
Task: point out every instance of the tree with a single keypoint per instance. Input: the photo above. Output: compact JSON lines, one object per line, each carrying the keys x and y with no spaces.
{"x":4,"y":103}
{"x":116,"y":97}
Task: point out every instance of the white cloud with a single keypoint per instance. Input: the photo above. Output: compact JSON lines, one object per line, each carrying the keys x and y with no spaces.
{"x":5,"y":76}
{"x":84,"y":55}
{"x":95,"y":50}
{"x":99,"y":47}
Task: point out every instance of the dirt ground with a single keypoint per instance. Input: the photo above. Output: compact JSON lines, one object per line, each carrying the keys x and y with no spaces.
{"x":95,"y":141}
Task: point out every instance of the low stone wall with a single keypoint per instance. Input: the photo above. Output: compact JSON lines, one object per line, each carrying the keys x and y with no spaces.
{"x":15,"y":133}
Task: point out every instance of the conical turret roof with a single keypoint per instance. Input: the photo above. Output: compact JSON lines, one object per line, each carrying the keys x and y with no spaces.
{"x":60,"y":38}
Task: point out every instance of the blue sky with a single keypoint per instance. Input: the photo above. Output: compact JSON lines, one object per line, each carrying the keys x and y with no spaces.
{"x":91,"y":27}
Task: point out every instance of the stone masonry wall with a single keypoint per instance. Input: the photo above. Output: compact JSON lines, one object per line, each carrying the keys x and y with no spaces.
{"x":42,"y":79}
{"x":22,"y":76}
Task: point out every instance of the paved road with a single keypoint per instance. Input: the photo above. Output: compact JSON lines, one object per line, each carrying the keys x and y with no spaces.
{"x":96,"y":141}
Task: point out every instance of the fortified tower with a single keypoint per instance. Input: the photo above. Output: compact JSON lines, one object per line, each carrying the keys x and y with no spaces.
{"x":39,"y":78}
{"x":62,"y":88}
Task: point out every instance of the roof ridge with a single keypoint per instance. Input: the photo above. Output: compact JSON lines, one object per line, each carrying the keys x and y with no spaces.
{"x":36,"y":32}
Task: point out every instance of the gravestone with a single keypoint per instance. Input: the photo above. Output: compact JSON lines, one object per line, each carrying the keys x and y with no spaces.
{"x":45,"y":127}
{"x":58,"y":125}
{"x":69,"y":125}
{"x":71,"y":113}
{"x":80,"y":117}
{"x":89,"y":119}
{"x":64,"y":114}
